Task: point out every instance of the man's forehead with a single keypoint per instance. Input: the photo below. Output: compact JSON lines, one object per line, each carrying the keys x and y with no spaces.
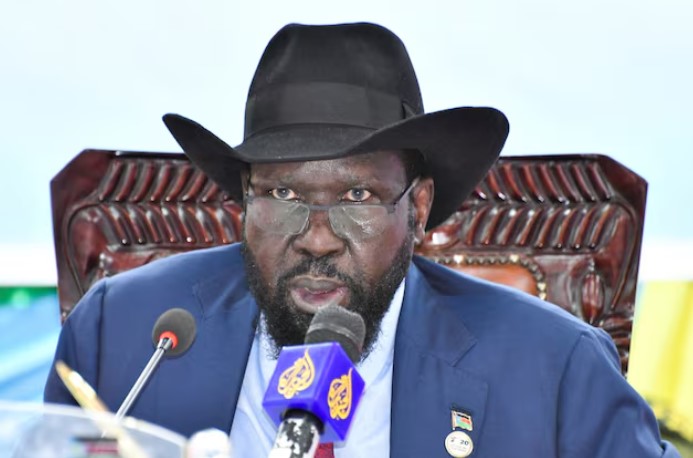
{"x":378,"y":164}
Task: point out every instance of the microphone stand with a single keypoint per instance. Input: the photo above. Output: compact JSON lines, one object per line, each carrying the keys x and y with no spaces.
{"x":165,"y":344}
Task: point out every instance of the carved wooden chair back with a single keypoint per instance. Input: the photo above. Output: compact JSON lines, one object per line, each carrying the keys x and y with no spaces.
{"x":567,"y":228}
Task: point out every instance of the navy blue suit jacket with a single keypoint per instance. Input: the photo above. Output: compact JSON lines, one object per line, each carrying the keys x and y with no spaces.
{"x":536,"y":381}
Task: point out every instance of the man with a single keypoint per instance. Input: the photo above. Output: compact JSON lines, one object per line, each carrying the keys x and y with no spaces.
{"x":340,"y":173}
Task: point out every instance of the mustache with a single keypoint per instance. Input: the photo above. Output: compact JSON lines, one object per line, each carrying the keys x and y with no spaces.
{"x":318,"y":267}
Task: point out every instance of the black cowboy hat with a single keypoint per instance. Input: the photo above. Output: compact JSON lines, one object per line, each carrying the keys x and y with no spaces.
{"x":325,"y":92}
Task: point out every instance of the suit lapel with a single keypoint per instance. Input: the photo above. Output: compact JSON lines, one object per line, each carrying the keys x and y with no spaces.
{"x":429,"y":378}
{"x":214,"y":367}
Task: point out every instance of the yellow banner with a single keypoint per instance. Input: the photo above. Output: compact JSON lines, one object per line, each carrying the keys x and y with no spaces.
{"x":661,"y":359}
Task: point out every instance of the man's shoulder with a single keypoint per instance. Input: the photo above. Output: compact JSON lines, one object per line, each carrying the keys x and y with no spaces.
{"x":173,"y":281}
{"x":488,"y":308}
{"x":187,"y":266}
{"x":510,"y":330}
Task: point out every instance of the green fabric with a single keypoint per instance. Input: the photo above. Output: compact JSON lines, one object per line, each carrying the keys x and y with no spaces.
{"x":23,"y":296}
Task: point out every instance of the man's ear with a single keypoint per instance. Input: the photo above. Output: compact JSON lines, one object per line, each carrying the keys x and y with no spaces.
{"x":423,"y":200}
{"x":245,"y":179}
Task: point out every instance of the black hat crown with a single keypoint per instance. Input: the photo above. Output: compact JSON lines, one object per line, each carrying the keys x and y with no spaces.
{"x":356,"y":75}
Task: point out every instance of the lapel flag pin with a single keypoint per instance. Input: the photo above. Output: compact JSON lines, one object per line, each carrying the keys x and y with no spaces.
{"x":461,"y":420}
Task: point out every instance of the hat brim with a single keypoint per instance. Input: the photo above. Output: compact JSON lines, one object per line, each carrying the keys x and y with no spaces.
{"x":459,"y":145}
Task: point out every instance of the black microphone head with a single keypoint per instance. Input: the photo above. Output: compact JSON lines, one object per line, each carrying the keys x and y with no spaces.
{"x":178,"y":325}
{"x":333,"y":323}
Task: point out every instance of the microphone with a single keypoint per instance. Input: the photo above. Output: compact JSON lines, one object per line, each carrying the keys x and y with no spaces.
{"x":315,"y":388}
{"x":173,"y":333}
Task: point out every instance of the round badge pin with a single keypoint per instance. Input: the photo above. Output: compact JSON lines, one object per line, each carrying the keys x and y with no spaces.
{"x":459,"y":444}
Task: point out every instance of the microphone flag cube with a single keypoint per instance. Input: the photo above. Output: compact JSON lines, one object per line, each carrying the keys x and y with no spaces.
{"x":318,"y":378}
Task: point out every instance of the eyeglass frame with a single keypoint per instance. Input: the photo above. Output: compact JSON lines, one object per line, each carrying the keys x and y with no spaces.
{"x":389,"y":207}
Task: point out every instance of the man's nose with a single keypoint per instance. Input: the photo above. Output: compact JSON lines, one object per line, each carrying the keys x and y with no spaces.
{"x":319,"y":239}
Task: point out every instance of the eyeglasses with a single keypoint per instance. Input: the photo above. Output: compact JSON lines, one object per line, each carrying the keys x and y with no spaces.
{"x":355,"y":221}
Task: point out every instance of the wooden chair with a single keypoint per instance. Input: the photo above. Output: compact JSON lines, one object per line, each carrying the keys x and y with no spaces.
{"x":567,"y":228}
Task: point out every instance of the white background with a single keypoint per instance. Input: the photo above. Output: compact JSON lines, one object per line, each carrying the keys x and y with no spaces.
{"x":595,"y":76}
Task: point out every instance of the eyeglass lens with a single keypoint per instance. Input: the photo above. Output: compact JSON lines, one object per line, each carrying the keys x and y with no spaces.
{"x":353,"y":222}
